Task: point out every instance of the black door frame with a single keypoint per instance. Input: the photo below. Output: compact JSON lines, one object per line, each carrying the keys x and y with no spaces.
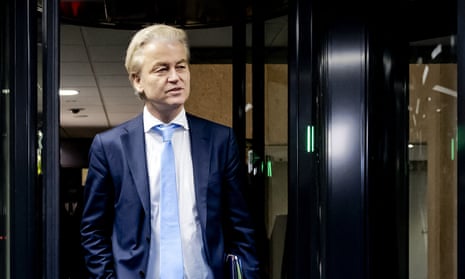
{"x":24,"y":233}
{"x":34,"y":226}
{"x":302,"y":257}
{"x":51,"y":123}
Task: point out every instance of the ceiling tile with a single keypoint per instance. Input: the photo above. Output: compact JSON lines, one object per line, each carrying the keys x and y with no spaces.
{"x":109,"y":68}
{"x":113,"y":80}
{"x":122,"y":91}
{"x":105,"y":37}
{"x":70,"y":35}
{"x":75,"y":68}
{"x":80,"y":103}
{"x":73,"y":53}
{"x":107,"y":53}
{"x":84,"y":92}
{"x":96,"y":120}
{"x":211,"y":37}
{"x":70,"y":81}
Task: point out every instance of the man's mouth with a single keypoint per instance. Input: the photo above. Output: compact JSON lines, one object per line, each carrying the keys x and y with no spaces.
{"x":174,"y":90}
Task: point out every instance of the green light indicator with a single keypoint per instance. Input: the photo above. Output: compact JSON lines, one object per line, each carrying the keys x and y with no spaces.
{"x":452,"y":149}
{"x":269,"y":170}
{"x":313,"y":139}
{"x":310,"y":138}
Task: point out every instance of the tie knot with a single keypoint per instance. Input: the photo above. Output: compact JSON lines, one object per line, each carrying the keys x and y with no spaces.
{"x":166,"y":130}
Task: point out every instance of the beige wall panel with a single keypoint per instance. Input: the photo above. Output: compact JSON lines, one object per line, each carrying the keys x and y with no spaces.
{"x":276,"y":104}
{"x":433,"y":123}
{"x":211,"y":92}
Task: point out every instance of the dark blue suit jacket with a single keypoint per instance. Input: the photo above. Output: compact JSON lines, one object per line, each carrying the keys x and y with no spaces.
{"x":115,"y":226}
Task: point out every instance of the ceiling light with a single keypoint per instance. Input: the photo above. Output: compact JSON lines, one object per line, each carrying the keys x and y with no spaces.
{"x":68,"y":92}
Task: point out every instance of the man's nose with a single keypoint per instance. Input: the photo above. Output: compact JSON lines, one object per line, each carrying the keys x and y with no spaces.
{"x":173,"y":75}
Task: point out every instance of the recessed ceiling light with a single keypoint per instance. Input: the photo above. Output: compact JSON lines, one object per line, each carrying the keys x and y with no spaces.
{"x":68,"y":92}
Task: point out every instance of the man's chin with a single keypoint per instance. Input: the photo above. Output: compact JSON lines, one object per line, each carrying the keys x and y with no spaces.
{"x":175,"y":106}
{"x":177,"y":101}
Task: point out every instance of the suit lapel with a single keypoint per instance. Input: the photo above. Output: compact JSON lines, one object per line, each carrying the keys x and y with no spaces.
{"x":200,"y":150}
{"x":134,"y":147}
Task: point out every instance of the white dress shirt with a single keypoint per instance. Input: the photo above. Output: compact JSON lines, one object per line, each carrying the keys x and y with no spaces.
{"x":195,"y":264}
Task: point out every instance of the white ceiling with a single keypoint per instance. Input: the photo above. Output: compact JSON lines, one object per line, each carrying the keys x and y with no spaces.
{"x":92,"y":61}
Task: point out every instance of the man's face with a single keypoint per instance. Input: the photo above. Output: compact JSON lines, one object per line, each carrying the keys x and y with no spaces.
{"x":164,"y":77}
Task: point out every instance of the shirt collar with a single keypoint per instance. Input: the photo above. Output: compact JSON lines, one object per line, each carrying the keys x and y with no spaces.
{"x":150,"y":120}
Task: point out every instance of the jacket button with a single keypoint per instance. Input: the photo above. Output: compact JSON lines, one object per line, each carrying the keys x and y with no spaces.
{"x":142,"y":274}
{"x":148,"y":239}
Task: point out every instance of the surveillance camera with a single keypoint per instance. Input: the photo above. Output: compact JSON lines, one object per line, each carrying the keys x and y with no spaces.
{"x":75,"y":110}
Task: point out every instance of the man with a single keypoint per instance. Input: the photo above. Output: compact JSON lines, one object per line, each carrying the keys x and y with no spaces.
{"x":121,"y":222}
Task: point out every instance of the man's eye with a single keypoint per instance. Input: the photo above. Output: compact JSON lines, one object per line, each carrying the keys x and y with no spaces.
{"x":161,"y":69}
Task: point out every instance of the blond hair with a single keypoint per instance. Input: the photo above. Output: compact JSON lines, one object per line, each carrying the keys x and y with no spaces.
{"x":157,"y":32}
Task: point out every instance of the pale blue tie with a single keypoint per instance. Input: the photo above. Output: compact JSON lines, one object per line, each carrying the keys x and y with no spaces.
{"x":171,"y":262}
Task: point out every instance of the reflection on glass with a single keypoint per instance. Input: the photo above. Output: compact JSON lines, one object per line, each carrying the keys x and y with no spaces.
{"x":276,"y":144}
{"x":432,"y":160}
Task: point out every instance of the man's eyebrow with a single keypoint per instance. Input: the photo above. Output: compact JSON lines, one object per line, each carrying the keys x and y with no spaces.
{"x":157,"y":64}
{"x":161,"y":63}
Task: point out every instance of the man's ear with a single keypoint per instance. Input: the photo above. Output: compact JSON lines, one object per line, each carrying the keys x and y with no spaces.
{"x":135,"y":79}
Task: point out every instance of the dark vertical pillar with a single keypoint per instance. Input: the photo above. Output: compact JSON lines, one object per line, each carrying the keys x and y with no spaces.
{"x":51,"y":160}
{"x":364,"y":166}
{"x":5,"y":73}
{"x":24,"y":213}
{"x":302,"y":235}
{"x":387,"y":188}
{"x":258,"y":130}
{"x":344,"y":160}
{"x":239,"y":74}
{"x":258,"y":81}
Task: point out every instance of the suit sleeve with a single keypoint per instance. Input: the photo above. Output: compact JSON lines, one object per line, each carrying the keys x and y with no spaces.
{"x":97,"y":218}
{"x":240,"y":238}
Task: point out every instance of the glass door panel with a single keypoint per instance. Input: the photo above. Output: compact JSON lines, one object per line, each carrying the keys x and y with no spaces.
{"x":433,"y":159}
{"x":275,"y":163}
